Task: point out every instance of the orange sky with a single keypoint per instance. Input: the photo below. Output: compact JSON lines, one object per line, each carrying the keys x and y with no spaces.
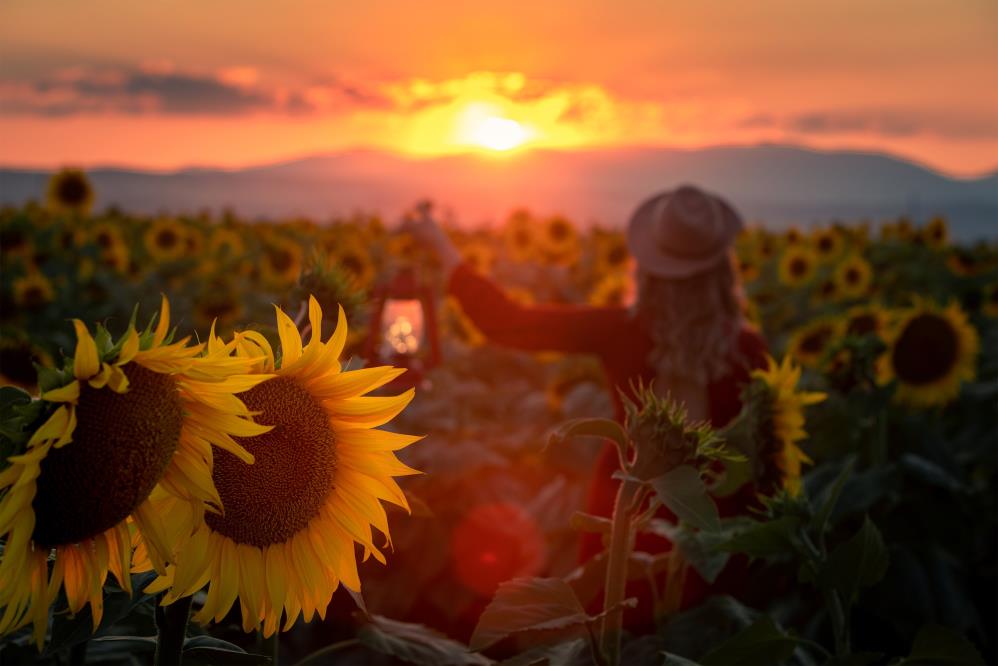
{"x":233,"y":82}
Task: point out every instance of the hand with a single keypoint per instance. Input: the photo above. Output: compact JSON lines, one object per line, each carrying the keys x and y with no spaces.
{"x":428,"y":233}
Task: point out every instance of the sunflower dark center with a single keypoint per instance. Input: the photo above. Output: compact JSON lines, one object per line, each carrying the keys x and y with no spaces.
{"x":827,"y":288}
{"x":852,"y":276}
{"x":825,"y":244}
{"x":926,"y":350}
{"x":617,"y":255}
{"x":559,"y":231}
{"x":218,"y":309}
{"x":815,"y":341}
{"x":274,"y":498}
{"x":122,"y":444}
{"x":72,"y":190}
{"x":861,"y":324}
{"x":16,"y":364}
{"x":34,"y":296}
{"x":280,"y":260}
{"x":166,"y":239}
{"x":351,"y":263}
{"x":105,"y":240}
{"x":798,"y":266}
{"x":12,"y":239}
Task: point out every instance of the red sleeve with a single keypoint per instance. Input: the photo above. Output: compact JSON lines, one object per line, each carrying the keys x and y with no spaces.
{"x":565,"y":328}
{"x":754,"y":348}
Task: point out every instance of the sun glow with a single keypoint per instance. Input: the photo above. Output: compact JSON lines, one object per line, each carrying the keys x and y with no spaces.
{"x":499,"y":134}
{"x":484,"y":126}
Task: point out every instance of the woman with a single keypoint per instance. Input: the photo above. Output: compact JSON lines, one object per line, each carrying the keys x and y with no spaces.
{"x":685,"y":333}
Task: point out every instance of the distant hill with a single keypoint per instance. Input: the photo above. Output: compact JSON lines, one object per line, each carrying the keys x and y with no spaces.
{"x":777,"y":184}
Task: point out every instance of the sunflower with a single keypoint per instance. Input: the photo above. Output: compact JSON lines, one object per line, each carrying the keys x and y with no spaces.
{"x":935,"y":234}
{"x":226,"y":244}
{"x":853,"y":277}
{"x":931,"y":351}
{"x":356,"y":262}
{"x":827,"y":291}
{"x":193,"y":240}
{"x":106,"y":235}
{"x":785,"y":421}
{"x":218,"y":303}
{"x":520,"y":235}
{"x":17,"y":361}
{"x":793,"y":236}
{"x":70,"y":191}
{"x":135,"y":422}
{"x":33,"y":290}
{"x":479,"y":255}
{"x":282,"y":260}
{"x":809,"y":343}
{"x":766,"y":246}
{"x":559,"y":241}
{"x":165,"y":240}
{"x":989,"y":302}
{"x":748,"y":268}
{"x":612,"y":255}
{"x":864,"y":320}
{"x":613,"y":290}
{"x":963,"y":262}
{"x":827,"y":243}
{"x":286,"y":539}
{"x":797,"y":266}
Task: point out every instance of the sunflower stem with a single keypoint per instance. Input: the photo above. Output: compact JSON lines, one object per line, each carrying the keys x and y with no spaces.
{"x":78,"y":653}
{"x":616,"y":571}
{"x":171,"y":625}
{"x":880,"y":439}
{"x":270,"y":646}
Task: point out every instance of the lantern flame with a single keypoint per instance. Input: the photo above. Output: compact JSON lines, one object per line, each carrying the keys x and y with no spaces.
{"x":403,"y":329}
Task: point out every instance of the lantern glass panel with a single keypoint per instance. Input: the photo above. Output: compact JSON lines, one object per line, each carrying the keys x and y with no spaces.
{"x":402,"y":327}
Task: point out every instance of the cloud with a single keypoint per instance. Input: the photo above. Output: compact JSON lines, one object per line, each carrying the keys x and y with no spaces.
{"x":887,"y":124}
{"x":161,"y":89}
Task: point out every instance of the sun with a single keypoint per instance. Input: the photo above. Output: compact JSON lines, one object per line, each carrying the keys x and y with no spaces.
{"x":499,"y":134}
{"x":484,"y":126}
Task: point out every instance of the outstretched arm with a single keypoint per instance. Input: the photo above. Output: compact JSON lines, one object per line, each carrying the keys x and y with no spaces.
{"x":566,"y":328}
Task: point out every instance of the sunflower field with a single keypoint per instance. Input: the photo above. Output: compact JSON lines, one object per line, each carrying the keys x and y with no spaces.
{"x":220,"y":443}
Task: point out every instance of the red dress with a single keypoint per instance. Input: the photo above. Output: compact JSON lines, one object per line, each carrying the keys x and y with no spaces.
{"x":623,"y":344}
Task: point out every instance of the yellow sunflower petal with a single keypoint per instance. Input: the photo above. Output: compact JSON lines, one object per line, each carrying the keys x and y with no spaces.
{"x":86,"y":363}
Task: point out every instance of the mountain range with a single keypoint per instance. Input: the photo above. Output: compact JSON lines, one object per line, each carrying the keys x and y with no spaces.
{"x":778,"y":185}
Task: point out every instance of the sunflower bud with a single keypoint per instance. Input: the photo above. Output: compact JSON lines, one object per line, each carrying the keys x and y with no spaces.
{"x":662,"y":439}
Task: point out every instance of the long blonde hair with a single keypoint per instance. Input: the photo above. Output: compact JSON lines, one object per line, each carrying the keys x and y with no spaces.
{"x":694,"y":322}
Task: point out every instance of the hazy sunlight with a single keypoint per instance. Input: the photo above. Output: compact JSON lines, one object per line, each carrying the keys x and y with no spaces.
{"x":483,"y":126}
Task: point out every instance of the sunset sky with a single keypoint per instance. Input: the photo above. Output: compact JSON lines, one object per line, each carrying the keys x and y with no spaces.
{"x":236,"y":82}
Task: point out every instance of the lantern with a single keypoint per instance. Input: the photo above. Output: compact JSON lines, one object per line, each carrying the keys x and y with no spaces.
{"x":403,"y":330}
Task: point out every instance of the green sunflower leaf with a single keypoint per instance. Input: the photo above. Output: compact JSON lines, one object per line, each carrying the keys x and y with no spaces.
{"x":764,"y":642}
{"x":683,"y":491}
{"x":859,"y":562}
{"x":415,"y":643}
{"x":528,"y":604}
{"x":587,"y":427}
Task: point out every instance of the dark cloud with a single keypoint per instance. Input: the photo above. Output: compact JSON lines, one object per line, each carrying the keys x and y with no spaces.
{"x":882,"y":123}
{"x":173,"y":93}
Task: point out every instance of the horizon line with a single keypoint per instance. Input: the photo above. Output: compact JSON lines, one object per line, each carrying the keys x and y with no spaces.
{"x":499,"y":157}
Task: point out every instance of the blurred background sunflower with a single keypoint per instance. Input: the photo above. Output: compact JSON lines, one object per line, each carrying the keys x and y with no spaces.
{"x":70,"y":191}
{"x":931,"y":351}
{"x":797,"y":266}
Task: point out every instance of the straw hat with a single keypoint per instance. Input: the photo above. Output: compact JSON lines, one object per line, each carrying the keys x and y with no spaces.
{"x":682,"y":232}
